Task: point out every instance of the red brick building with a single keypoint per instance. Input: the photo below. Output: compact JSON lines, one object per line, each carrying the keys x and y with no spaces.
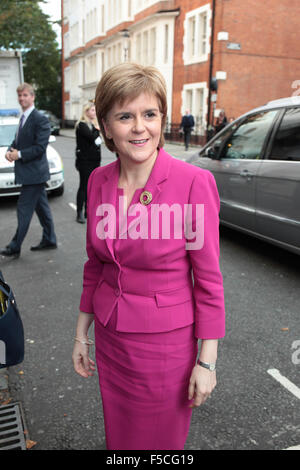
{"x":250,"y":46}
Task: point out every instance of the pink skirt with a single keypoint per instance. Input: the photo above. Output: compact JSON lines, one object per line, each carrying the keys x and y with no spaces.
{"x":144,"y":386}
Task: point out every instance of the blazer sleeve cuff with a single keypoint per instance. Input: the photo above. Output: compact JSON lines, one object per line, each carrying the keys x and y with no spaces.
{"x":86,"y":300}
{"x":214,"y":329}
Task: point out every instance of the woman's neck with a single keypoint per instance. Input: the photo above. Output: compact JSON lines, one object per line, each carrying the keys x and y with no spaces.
{"x":134,"y":175}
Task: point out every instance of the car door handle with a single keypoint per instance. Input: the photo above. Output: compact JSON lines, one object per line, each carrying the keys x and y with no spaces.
{"x":246,"y":174}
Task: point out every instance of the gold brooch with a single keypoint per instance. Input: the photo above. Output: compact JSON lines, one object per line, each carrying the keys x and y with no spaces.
{"x":145,"y":198}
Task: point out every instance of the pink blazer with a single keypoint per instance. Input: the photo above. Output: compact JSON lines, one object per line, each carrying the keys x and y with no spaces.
{"x":156,"y":278}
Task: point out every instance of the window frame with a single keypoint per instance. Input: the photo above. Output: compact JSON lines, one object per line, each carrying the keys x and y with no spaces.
{"x":194,"y":17}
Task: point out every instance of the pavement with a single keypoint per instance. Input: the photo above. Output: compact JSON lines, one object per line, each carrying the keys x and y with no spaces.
{"x":177,"y":149}
{"x":4,"y":388}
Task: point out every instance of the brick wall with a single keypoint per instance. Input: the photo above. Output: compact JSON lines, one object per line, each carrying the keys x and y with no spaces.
{"x":265,"y":66}
{"x":269,"y":59}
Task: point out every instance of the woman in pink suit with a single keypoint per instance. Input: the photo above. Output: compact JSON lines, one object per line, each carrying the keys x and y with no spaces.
{"x":152,"y":283}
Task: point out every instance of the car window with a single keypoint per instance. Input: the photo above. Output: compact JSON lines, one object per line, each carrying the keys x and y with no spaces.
{"x":7,"y":134}
{"x":286,"y":145}
{"x":247,"y":141}
{"x":215,"y":145}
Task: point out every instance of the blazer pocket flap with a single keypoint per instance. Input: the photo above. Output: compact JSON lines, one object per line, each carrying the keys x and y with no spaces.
{"x":174,"y":297}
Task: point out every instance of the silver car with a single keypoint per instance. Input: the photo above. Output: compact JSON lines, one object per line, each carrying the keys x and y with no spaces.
{"x":256,"y":163}
{"x":8,"y":187}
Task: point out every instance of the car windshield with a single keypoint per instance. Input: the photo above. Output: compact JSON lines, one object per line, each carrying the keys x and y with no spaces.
{"x":7,"y":134}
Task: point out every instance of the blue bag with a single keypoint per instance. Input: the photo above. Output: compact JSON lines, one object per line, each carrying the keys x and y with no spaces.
{"x":11,"y":328}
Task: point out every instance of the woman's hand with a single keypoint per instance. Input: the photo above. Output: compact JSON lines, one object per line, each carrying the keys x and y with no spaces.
{"x":83,"y":365}
{"x":202,"y":383}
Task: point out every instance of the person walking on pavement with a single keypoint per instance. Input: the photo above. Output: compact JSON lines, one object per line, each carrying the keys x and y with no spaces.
{"x":187,"y":124}
{"x":28,"y":151}
{"x":88,"y":154}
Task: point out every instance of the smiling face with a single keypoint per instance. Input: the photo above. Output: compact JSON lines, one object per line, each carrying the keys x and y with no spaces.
{"x":135,"y":128}
{"x":26,"y":99}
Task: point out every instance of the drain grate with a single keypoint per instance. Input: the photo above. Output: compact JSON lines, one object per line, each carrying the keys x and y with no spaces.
{"x":11,"y":428}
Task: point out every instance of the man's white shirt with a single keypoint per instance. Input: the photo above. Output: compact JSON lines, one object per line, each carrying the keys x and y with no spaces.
{"x":26,"y":115}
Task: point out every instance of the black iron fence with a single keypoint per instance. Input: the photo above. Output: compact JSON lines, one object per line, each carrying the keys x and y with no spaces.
{"x":174,"y":134}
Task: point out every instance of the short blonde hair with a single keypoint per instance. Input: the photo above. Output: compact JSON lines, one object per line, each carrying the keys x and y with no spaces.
{"x":26,"y":86}
{"x":127,"y":81}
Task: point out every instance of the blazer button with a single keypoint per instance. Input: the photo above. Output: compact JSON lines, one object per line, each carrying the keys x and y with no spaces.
{"x":117,"y":292}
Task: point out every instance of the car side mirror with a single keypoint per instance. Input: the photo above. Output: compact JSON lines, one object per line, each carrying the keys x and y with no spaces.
{"x":211,"y":153}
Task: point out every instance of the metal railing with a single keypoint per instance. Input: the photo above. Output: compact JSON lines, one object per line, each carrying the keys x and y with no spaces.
{"x":198,"y":136}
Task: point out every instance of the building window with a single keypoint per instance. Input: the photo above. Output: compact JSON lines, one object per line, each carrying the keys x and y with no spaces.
{"x":75,"y":74}
{"x":91,"y":68}
{"x":203,"y":27}
{"x":109,"y":57}
{"x":66,"y":45}
{"x":139,"y":48}
{"x":194,"y":99}
{"x":152,"y":46}
{"x":166,"y":44}
{"x":74,"y":36}
{"x":145,"y":47}
{"x":102,"y":63}
{"x":102,"y":20}
{"x":196,"y":36}
{"x":115,"y":54}
{"x":67,"y":84}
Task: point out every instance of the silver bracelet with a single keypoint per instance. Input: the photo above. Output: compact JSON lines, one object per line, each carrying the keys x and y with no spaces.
{"x":88,"y":342}
{"x":207,"y":365}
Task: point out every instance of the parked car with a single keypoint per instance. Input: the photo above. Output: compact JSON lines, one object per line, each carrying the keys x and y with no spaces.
{"x":8,"y":127}
{"x":54,"y":121}
{"x":256,"y":163}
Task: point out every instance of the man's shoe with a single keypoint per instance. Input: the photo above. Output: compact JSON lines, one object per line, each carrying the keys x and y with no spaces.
{"x":43,"y":246}
{"x":9,"y":252}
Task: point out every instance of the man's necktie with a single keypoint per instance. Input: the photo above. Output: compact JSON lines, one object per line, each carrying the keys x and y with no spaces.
{"x":20,"y":126}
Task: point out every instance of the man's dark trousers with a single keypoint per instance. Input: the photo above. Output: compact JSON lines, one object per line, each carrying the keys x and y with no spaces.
{"x":187,"y":137}
{"x":33,"y":197}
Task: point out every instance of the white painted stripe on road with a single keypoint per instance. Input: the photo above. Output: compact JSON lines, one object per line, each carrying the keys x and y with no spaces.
{"x":73,"y":206}
{"x":285,"y":382}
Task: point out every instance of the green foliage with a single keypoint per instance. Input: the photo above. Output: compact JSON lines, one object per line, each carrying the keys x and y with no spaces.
{"x":24,"y":26}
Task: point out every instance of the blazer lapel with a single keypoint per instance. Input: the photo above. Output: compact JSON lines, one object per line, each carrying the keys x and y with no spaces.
{"x":109,"y":196}
{"x":28,"y":120}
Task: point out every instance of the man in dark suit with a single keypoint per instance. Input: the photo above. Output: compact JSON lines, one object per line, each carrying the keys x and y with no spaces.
{"x":28,"y":151}
{"x":187,"y":124}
